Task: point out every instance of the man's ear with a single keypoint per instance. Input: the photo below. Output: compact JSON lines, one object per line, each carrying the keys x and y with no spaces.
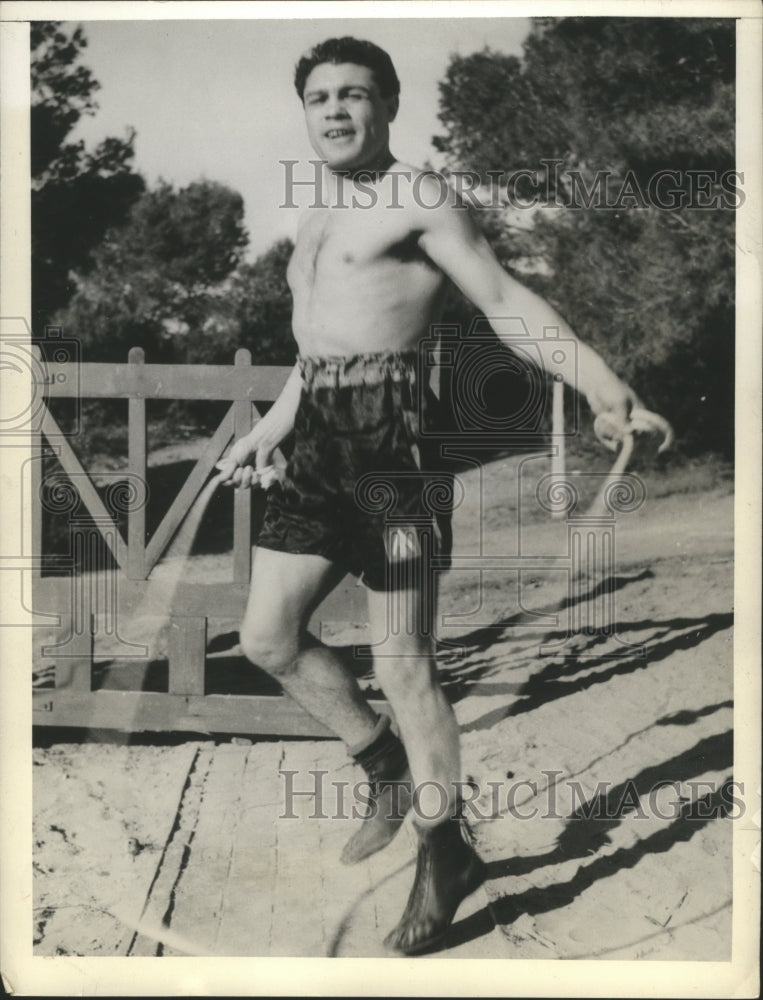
{"x":393,"y":103}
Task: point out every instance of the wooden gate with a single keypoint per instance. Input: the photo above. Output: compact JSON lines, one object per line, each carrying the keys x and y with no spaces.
{"x":118,"y":569}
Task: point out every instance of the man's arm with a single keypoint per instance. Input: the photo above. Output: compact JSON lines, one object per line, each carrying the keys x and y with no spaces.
{"x":252,"y":453}
{"x":452,"y":241}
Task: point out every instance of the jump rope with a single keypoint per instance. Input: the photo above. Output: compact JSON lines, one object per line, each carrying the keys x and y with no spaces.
{"x":158,"y":601}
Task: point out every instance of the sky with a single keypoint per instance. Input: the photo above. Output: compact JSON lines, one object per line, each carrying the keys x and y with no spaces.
{"x":215,"y":99}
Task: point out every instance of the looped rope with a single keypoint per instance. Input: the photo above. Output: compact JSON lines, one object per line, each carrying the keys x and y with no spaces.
{"x":611,"y":433}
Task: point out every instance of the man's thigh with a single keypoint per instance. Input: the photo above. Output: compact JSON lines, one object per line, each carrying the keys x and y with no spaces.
{"x":286,"y":588}
{"x":402,"y":622}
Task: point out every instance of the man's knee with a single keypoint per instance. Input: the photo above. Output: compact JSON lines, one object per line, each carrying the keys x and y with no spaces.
{"x":405,"y":671}
{"x":274,"y":652}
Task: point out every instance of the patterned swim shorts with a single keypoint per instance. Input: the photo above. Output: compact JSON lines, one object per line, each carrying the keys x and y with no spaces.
{"x":363,"y":486}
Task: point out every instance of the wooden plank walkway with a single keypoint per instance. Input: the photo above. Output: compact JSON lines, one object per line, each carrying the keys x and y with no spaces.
{"x":239,"y":877}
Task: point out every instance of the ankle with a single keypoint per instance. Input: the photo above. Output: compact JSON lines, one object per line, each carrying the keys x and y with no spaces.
{"x":381,"y":754}
{"x":449,"y":831}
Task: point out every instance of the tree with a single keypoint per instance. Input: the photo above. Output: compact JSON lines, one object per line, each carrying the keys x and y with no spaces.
{"x":265,"y":306}
{"x":76,"y":195}
{"x":253,"y":310}
{"x":651,"y":288}
{"x":159,"y":280}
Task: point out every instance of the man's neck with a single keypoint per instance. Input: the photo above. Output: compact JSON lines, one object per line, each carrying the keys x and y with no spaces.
{"x":370,"y":172}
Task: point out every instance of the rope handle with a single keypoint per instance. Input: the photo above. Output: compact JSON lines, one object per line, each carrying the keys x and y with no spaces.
{"x":612,"y":434}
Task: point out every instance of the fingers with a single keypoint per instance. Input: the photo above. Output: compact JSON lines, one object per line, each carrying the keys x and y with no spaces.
{"x":645,"y":420}
{"x":611,"y":429}
{"x":262,"y":457}
{"x":231,"y":474}
{"x":265,"y":472}
{"x":227,"y":468}
{"x":256,"y":477}
{"x":244,"y":468}
{"x":267,"y":476}
{"x":244,"y":477}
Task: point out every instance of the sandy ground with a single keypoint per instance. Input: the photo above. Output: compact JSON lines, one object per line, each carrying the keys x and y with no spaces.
{"x":600,"y":749}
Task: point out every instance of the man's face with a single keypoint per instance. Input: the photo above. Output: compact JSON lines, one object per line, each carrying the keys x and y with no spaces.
{"x":347,"y":118}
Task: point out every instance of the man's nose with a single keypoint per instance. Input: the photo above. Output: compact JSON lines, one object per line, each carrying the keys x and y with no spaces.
{"x":334,"y":108}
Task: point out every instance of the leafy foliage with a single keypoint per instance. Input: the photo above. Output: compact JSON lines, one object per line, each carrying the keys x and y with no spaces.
{"x":264,"y":307}
{"x":252,"y":311}
{"x":120,"y":266}
{"x":651,"y":288}
{"x":161,"y":276}
{"x":76,"y":195}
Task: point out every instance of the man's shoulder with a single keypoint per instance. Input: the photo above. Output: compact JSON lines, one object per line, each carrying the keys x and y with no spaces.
{"x":424,"y":190}
{"x":415,"y":179}
{"x":430,"y":199}
{"x":409,"y":170}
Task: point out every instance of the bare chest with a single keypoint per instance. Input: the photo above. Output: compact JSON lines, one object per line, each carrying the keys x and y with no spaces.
{"x":333,"y":243}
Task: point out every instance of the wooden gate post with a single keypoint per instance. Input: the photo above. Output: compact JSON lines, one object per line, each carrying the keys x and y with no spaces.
{"x":242,"y":500}
{"x":558,"y":459}
{"x":92,"y":595}
{"x":187,"y":648}
{"x":137,"y":447}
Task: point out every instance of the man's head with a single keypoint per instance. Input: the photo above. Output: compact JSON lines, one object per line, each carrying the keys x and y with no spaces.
{"x":349,"y":90}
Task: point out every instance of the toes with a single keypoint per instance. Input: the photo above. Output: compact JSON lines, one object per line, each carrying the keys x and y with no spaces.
{"x":411,"y":938}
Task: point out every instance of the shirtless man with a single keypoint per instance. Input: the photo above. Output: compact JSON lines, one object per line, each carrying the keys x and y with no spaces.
{"x":367,"y":281}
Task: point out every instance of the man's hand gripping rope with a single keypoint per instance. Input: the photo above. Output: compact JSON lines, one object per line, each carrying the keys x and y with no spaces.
{"x":612,"y":432}
{"x":249,"y":463}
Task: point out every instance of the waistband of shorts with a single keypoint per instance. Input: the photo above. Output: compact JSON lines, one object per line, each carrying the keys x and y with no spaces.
{"x":338,"y":371}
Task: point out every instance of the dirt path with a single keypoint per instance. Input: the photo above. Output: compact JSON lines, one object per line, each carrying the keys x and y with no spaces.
{"x":591,"y":852}
{"x":649,"y":873}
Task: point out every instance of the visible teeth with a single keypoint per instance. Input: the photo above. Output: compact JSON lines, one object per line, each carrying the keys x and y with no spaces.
{"x":334,"y":133}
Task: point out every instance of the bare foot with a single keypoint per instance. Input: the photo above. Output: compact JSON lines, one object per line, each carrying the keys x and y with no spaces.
{"x":447,"y":871}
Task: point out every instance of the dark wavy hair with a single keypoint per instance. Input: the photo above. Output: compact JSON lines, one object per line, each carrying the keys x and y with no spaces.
{"x":349,"y":50}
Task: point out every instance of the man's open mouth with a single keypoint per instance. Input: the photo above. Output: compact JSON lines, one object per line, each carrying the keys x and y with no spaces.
{"x":339,"y":133}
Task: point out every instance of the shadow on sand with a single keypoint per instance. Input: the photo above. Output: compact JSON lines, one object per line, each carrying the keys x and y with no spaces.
{"x":691,"y":818}
{"x":587,"y":830}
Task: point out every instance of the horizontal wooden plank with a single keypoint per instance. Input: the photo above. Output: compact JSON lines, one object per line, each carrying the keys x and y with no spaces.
{"x":90,"y":380}
{"x":144,"y":711}
{"x":53,"y":594}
